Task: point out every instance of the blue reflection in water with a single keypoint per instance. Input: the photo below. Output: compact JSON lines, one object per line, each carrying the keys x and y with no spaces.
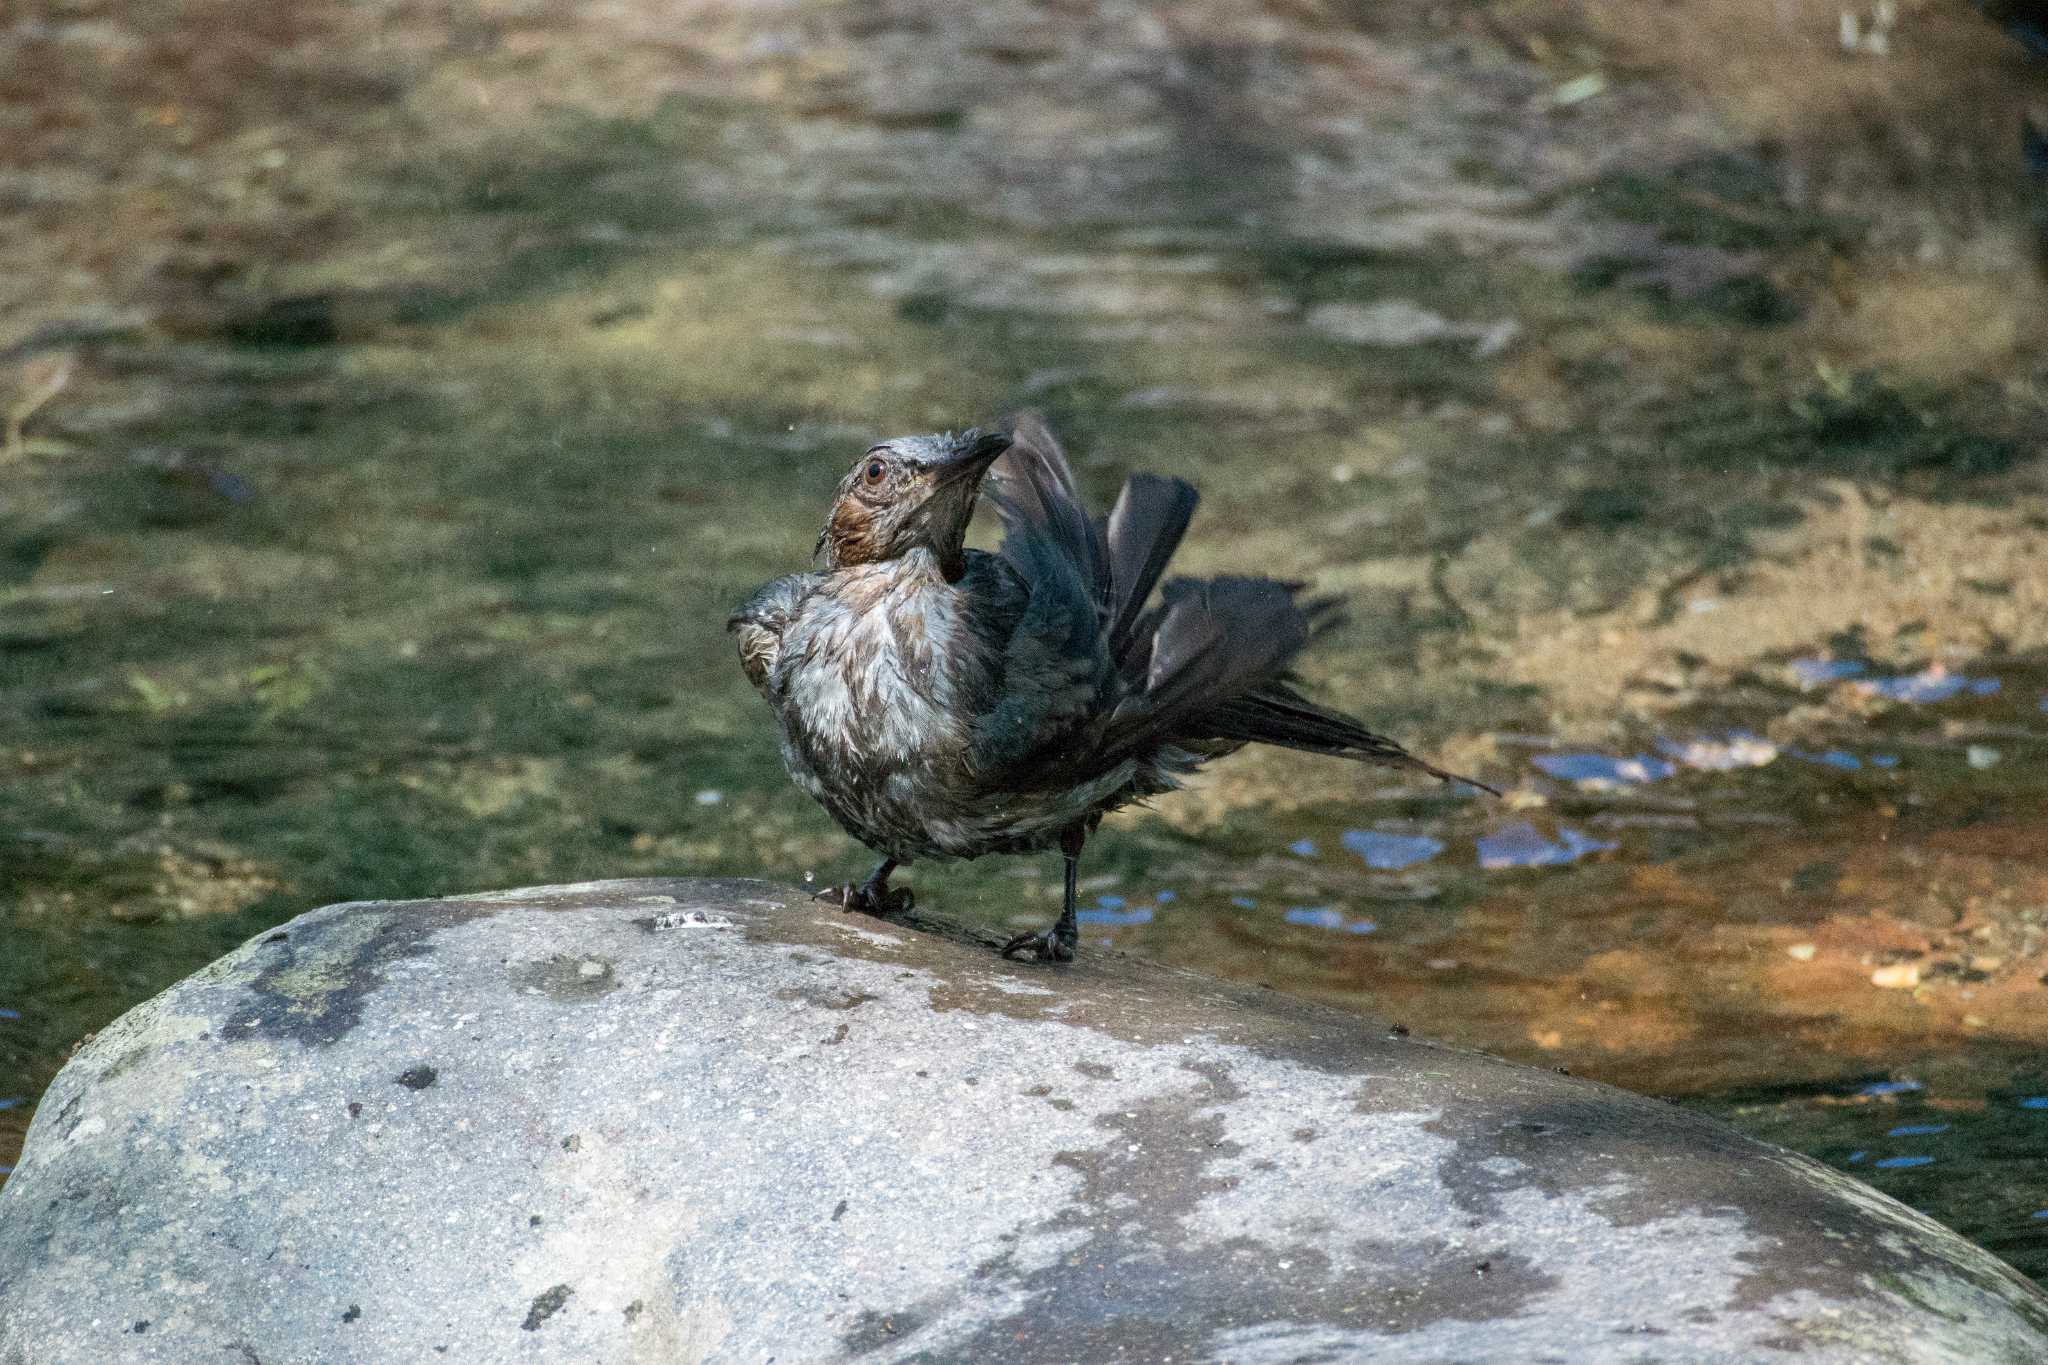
{"x":1891,"y":1088}
{"x":1141,"y":915}
{"x":1303,"y":848}
{"x":1884,"y":760}
{"x":10,"y":1014}
{"x":1519,"y":845}
{"x":1244,"y":902}
{"x":2035,"y":1102}
{"x":1167,"y":897}
{"x":1918,"y":1130}
{"x":1929,"y":685}
{"x":1815,"y":672}
{"x":1855,"y":1157}
{"x":1324,"y":917}
{"x":1603,"y":768}
{"x":1900,"y":1163}
{"x":1391,"y":852}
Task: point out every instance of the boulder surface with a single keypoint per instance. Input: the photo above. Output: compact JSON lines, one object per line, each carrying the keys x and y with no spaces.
{"x":712,"y":1120}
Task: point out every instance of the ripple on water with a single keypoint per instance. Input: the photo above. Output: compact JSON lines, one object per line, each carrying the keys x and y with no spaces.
{"x":1736,"y":749}
{"x":1519,"y":845}
{"x":1391,"y":852}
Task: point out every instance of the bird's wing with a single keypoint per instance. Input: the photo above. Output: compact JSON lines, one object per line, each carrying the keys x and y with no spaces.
{"x":1049,"y":674}
{"x":758,"y":623}
{"x":1047,"y":532}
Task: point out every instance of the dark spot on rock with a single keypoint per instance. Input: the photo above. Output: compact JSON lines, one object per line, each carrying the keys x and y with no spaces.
{"x":1304,"y":1135}
{"x":354,"y":1311}
{"x":824,"y":1000}
{"x":355,"y":1109}
{"x":1039,"y":1092}
{"x":418,"y":1077}
{"x":927,"y":1074}
{"x":1064,"y":1106}
{"x":1482,"y":1267}
{"x":572,"y":1143}
{"x":633,"y":1311}
{"x":140,"y":1327}
{"x":838,"y":1036}
{"x":1095,"y":1071}
{"x":1397,"y":1030}
{"x":1263,"y":1164}
{"x":567,"y":977}
{"x":125,"y":1063}
{"x":545,"y":1306}
{"x":279,"y":937}
{"x":533,"y":1221}
{"x":839,"y":1211}
{"x":871,"y":1330}
{"x":1563,"y":1070}
{"x":313,"y":991}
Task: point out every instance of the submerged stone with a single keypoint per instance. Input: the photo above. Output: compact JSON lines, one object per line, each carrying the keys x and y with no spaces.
{"x":763,"y":1127}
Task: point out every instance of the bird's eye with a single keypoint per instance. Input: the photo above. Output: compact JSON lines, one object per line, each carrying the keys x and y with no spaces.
{"x":876,"y":471}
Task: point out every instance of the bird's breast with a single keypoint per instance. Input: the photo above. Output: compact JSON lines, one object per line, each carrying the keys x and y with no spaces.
{"x":874,"y":681}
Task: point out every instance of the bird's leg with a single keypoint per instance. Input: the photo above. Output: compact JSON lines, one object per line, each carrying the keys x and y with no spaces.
{"x":1057,"y":944}
{"x":871,"y":897}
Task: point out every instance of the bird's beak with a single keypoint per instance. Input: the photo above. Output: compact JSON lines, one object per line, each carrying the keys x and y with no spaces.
{"x":974,"y":457}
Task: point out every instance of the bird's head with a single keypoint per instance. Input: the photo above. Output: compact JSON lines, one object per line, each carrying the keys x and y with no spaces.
{"x":910,"y":493}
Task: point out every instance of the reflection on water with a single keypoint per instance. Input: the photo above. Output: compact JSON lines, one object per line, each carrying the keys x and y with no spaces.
{"x":1519,"y":845}
{"x":1385,"y":852}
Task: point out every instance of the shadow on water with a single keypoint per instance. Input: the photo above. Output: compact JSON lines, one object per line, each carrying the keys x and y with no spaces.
{"x":392,"y":560}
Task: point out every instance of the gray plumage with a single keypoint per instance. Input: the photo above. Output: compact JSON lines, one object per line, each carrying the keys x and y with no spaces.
{"x":942,"y":702}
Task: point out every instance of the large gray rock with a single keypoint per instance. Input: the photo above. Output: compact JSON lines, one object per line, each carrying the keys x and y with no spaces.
{"x":688,"y":1120}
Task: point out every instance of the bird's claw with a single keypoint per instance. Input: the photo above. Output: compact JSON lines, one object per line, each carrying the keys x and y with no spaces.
{"x":860,"y":900}
{"x":1048,"y":945}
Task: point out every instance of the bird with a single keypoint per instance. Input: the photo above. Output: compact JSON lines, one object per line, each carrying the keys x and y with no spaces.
{"x":943,"y":702}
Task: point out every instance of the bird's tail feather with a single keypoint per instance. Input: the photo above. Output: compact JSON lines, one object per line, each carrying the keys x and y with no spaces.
{"x":1277,"y":714}
{"x":1142,"y":532}
{"x":1210,"y":640}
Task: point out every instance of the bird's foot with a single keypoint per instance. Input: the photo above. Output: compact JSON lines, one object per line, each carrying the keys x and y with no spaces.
{"x":864,"y":900}
{"x":1056,"y":944}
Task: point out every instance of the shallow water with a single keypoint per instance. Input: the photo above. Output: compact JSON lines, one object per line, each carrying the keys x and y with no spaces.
{"x":414,"y":429}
